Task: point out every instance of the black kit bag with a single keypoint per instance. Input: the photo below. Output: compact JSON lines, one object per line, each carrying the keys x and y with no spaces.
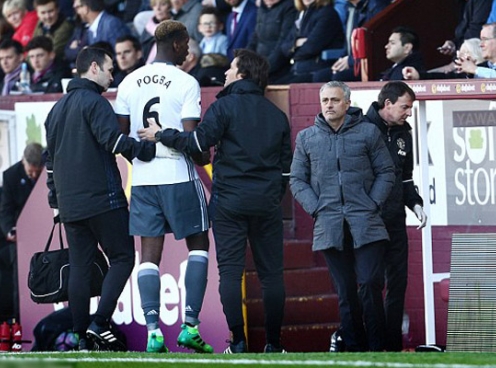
{"x":48,"y":277}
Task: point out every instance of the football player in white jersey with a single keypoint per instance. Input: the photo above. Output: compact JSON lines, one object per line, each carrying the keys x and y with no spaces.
{"x":167,"y":195}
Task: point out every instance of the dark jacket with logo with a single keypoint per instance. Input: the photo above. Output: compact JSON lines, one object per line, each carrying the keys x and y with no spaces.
{"x":399,"y":142}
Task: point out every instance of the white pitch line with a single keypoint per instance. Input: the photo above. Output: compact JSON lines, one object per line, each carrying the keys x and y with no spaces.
{"x":12,"y":358}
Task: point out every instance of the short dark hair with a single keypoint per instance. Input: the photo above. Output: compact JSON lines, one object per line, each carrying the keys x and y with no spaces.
{"x":252,"y":66}
{"x":44,"y":2}
{"x":10,"y":43}
{"x":94,"y":5}
{"x":392,"y":91}
{"x":89,"y":55}
{"x":211,"y":10}
{"x":130,"y":38}
{"x":408,"y":35}
{"x":33,"y":154}
{"x":40,"y":42}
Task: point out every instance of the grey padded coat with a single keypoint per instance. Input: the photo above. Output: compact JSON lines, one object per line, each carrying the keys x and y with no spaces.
{"x":343,"y":175}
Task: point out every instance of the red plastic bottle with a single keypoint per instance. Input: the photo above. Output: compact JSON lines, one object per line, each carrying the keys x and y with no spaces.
{"x":5,"y":337}
{"x":16,"y":337}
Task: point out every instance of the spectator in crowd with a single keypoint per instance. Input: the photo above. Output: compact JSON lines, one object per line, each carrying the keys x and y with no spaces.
{"x":317,"y":28}
{"x":83,"y":136}
{"x":166,"y":194}
{"x":161,"y":12}
{"x":53,"y":24}
{"x":394,"y":105}
{"x":470,"y":49}
{"x":252,"y":161}
{"x":11,"y":58}
{"x":403,"y":50}
{"x":208,"y":69}
{"x":240,"y":25}
{"x":96,"y":25}
{"x":342,"y":174}
{"x":211,"y":26}
{"x":18,"y":182}
{"x":188,"y":12}
{"x":129,"y":57}
{"x":358,"y":13}
{"x":22,"y":20}
{"x":475,"y":14}
{"x":48,"y":71}
{"x":221,"y":5}
{"x":486,"y":69}
{"x":275,"y":18}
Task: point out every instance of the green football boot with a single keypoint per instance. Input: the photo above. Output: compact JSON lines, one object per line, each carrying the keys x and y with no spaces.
{"x":190,"y":338}
{"x":156,"y":344}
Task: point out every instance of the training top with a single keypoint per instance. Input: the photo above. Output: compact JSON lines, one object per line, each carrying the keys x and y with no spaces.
{"x":166,"y":93}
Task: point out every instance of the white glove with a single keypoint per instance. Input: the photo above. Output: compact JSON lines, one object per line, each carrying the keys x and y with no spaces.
{"x":419,"y":212}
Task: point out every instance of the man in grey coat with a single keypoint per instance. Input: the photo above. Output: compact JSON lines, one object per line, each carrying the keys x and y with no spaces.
{"x":341,"y":174}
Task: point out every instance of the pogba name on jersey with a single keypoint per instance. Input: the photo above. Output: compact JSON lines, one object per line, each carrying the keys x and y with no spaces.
{"x":154,"y":79}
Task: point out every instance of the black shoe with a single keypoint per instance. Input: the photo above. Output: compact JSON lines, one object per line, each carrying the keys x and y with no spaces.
{"x":269,"y":348}
{"x":337,"y":343}
{"x":85,"y":345}
{"x":103,"y":338}
{"x":238,"y":348}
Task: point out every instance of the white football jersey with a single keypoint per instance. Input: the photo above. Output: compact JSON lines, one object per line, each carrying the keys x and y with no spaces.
{"x":169,"y":95}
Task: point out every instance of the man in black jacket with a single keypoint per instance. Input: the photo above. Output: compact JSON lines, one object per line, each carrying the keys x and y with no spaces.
{"x":18,"y":182}
{"x":83,"y":136}
{"x":389,"y":114}
{"x":129,"y":57}
{"x":251,"y":170}
{"x":403,"y":50}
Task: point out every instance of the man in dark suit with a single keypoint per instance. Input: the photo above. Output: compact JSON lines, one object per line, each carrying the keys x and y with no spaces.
{"x":403,"y":50}
{"x":18,"y":182}
{"x":240,"y":24}
{"x":96,"y":25}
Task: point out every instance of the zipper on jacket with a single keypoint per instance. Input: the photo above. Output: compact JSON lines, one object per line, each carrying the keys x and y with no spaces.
{"x":339,"y":171}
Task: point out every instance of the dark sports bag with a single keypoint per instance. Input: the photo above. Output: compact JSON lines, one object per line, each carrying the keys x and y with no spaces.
{"x":48,"y":277}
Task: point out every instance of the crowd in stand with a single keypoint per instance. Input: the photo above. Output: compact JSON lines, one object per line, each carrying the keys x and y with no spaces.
{"x":294,"y":35}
